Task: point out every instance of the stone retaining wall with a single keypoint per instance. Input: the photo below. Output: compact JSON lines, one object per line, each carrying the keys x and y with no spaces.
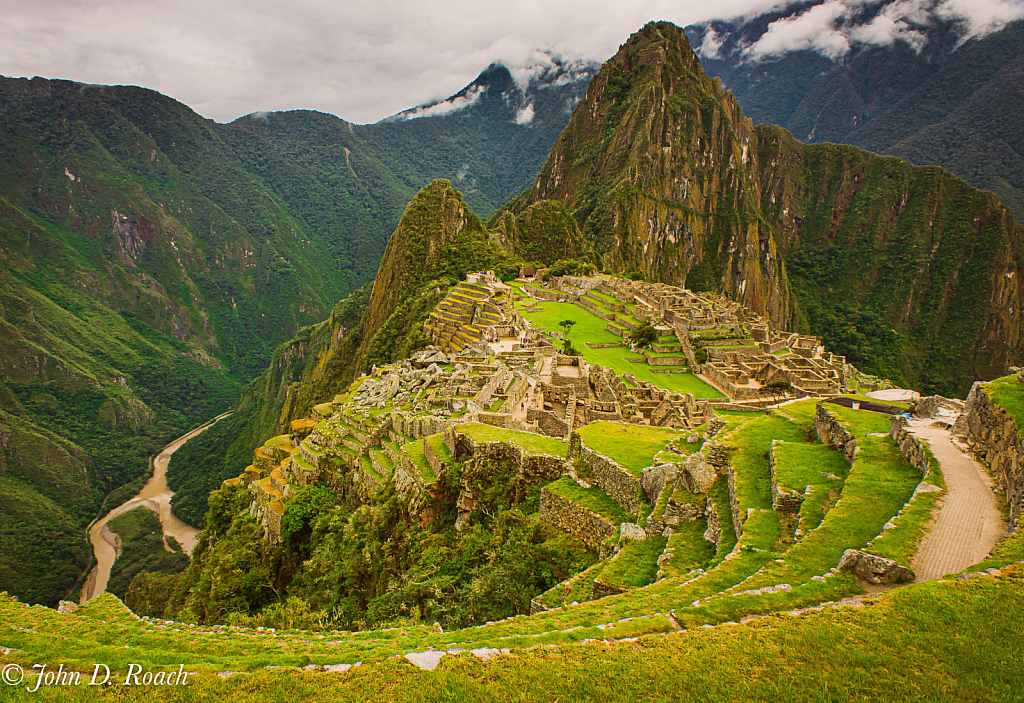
{"x":586,"y":525}
{"x":831,"y":431}
{"x":534,"y":468}
{"x":783,"y":501}
{"x":612,"y":478}
{"x":992,"y":435}
{"x":913,"y":448}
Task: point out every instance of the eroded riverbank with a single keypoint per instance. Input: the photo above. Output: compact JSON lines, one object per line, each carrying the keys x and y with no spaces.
{"x":156,"y":496}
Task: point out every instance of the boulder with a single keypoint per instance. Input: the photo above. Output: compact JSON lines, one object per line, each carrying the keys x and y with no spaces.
{"x":873,"y":568}
{"x":631,"y":531}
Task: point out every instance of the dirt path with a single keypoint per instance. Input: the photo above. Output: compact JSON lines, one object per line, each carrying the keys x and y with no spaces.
{"x":156,"y":496}
{"x":969,"y":521}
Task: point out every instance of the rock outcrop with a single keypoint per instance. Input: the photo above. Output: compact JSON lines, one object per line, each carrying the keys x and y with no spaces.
{"x":873,"y":568}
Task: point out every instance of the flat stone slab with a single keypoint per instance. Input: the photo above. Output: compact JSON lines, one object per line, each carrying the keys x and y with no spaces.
{"x":425,"y":660}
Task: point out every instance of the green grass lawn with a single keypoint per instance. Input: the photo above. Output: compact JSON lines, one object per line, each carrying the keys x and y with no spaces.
{"x":1008,"y":394}
{"x":590,"y":498}
{"x":591,"y":328}
{"x":538,"y":444}
{"x":635,"y":565}
{"x":632,"y":446}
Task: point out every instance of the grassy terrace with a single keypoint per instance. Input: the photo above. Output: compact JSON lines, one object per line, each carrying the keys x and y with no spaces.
{"x":381,"y":456}
{"x":633,"y":446}
{"x":538,"y":444}
{"x":971,"y":650}
{"x":941,"y":641}
{"x":591,"y":328}
{"x":800,"y":465}
{"x":593,"y":499}
{"x":635,"y":565}
{"x":414,"y":450}
{"x":689,"y":549}
{"x":1008,"y":394}
{"x":437,"y":444}
{"x":880,"y":482}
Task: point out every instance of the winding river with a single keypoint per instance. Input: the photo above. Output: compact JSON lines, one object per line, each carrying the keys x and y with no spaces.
{"x":156,"y":496}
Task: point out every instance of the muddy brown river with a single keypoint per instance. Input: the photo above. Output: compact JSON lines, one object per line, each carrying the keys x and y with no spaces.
{"x":156,"y":496}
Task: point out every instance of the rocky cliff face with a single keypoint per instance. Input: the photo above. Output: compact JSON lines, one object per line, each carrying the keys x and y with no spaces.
{"x":907,"y":270}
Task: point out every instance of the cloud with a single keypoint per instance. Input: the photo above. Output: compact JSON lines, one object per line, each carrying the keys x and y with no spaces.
{"x":981,"y":17}
{"x":833,"y":27}
{"x":524,"y":115}
{"x":364,"y":61}
{"x":445,"y":107}
{"x":814,"y":29}
{"x":361,"y":61}
{"x":710,"y":44}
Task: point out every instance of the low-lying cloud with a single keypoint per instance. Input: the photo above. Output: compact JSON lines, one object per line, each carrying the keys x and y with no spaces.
{"x":833,"y":27}
{"x":364,"y":61}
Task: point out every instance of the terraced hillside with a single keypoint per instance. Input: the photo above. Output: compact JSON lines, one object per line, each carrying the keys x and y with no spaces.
{"x":633,"y":611}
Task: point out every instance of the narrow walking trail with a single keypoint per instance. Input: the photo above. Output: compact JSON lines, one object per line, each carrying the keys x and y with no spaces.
{"x":969,"y":522}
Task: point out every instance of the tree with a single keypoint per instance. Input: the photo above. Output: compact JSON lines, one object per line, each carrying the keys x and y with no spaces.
{"x":566,"y":326}
{"x":644,"y":336}
{"x":776,"y":389}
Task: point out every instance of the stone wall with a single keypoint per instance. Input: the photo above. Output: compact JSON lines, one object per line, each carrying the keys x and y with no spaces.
{"x":423,"y":425}
{"x":620,"y":485}
{"x":534,"y":468}
{"x":992,"y":435}
{"x":547,"y":422}
{"x":783,"y":500}
{"x":913,"y":448}
{"x":584,"y":524}
{"x":831,"y":431}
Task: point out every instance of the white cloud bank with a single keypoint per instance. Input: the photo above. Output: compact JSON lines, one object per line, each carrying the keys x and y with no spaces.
{"x":363,"y":61}
{"x":834,"y":26}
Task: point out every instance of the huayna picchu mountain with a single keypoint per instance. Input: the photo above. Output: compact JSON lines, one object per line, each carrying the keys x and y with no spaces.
{"x":908,"y":271}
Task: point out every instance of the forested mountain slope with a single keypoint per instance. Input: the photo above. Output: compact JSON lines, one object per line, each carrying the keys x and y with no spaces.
{"x":152,"y":260}
{"x":934,"y":94}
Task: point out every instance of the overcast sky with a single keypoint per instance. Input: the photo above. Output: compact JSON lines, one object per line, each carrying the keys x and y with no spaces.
{"x":366,"y":60}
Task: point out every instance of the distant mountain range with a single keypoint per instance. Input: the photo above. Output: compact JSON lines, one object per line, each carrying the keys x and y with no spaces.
{"x":893,"y":77}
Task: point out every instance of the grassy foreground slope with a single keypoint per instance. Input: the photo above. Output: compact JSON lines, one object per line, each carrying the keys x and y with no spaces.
{"x":943,"y":640}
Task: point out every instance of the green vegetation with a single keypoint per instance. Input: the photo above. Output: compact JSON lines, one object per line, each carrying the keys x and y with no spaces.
{"x":538,"y":444}
{"x":591,"y":328}
{"x":1008,"y":394}
{"x":635,"y":565}
{"x":689,"y":549}
{"x":632,"y":446}
{"x":867,"y":648}
{"x":593,"y":499}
